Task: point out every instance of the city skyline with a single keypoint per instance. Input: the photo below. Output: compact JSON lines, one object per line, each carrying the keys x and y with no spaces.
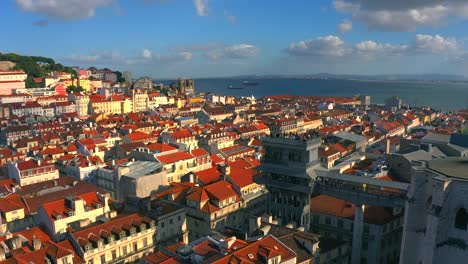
{"x":202,"y":38}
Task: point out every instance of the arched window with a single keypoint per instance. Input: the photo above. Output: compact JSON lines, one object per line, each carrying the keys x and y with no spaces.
{"x":461,"y":219}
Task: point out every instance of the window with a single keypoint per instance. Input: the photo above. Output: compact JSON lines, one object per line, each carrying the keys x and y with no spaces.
{"x":340,"y":223}
{"x":124,"y":250}
{"x":171,"y":221}
{"x":162,"y":224}
{"x":461,"y":219}
{"x":135,"y":247}
{"x":179,"y":218}
{"x":365,"y":245}
{"x":88,"y":247}
{"x":145,"y":242}
{"x":316,"y":219}
{"x":114,"y":254}
{"x":65,"y":260}
{"x":103,"y":258}
{"x":132,"y":231}
{"x":327,"y":220}
{"x":122,"y":234}
{"x":366,"y":229}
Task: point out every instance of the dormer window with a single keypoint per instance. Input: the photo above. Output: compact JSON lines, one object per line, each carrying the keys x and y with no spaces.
{"x":71,"y":213}
{"x":87,"y":208}
{"x":98,"y":206}
{"x":142,"y":227}
{"x":100,"y":242}
{"x":58,"y":217}
{"x":88,"y":247}
{"x":122,"y":234}
{"x":132,"y":231}
{"x":152,"y":223}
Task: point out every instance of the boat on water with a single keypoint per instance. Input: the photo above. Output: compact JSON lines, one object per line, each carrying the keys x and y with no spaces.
{"x":234,"y":88}
{"x":249,"y":83}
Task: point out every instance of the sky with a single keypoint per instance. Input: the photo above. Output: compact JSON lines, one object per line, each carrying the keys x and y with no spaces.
{"x":215,"y":38}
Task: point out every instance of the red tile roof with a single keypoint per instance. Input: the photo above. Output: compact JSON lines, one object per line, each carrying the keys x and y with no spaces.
{"x":221,"y":190}
{"x":199,"y":152}
{"x":96,"y":231}
{"x":58,"y":207}
{"x":256,"y":252}
{"x":242,"y":172}
{"x":209,"y":175}
{"x":30,"y":164}
{"x":160,"y":147}
{"x":174,"y":157}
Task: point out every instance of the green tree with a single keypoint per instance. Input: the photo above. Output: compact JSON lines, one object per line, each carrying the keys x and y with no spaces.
{"x":73,"y":89}
{"x":30,"y":83}
{"x":120,"y":77}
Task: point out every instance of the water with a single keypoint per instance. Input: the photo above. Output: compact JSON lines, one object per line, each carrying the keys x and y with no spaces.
{"x":445,"y":96}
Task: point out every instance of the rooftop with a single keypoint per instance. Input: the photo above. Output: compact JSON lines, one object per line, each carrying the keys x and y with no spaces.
{"x":141,"y":168}
{"x":450,"y":167}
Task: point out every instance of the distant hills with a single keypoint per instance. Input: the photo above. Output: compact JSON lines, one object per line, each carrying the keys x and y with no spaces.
{"x":380,"y":77}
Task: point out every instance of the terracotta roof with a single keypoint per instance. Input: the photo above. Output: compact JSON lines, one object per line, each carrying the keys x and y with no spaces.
{"x":209,"y":175}
{"x":332,"y":206}
{"x":221,"y":190}
{"x":199,"y":152}
{"x":174,"y":157}
{"x":242,"y":172}
{"x":55,"y":208}
{"x":138,"y":135}
{"x":30,"y":164}
{"x":96,"y":231}
{"x":160,"y":147}
{"x":256,"y":252}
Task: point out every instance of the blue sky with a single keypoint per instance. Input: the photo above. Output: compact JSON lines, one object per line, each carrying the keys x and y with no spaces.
{"x":195,"y":38}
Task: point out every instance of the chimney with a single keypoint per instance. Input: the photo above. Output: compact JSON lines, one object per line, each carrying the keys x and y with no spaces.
{"x":36,"y":243}
{"x":387,"y":147}
{"x":224,"y":168}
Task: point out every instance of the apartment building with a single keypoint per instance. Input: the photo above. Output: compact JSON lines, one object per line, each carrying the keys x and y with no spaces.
{"x":73,"y":211}
{"x":32,"y":171}
{"x":121,"y":240}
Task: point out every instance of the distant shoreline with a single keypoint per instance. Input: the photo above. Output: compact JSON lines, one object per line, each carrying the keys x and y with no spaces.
{"x":461,"y":82}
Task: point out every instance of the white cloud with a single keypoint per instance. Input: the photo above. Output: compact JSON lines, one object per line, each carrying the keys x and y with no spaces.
{"x":173,"y":57}
{"x":330,"y":46}
{"x":218,"y":51}
{"x":201,"y":6}
{"x":403,"y":15}
{"x":435,"y":44}
{"x":240,"y":51}
{"x":333,"y":46}
{"x":97,"y":57}
{"x":232,"y":19}
{"x":147,"y":54}
{"x":345,"y":26}
{"x":63,"y":9}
